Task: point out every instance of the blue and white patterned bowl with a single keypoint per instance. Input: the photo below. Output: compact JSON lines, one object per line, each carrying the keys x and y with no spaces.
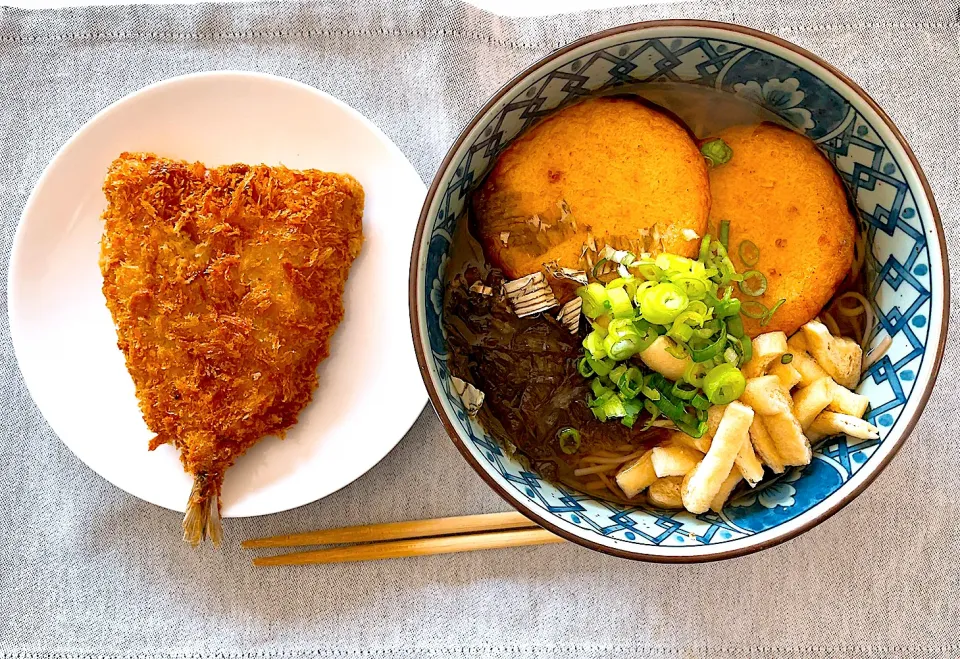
{"x":906,"y":265}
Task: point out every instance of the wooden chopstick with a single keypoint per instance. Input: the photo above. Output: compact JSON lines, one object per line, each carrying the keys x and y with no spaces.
{"x":415,"y":547}
{"x":397,"y":530}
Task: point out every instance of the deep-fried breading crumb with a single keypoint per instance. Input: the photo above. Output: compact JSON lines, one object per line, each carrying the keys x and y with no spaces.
{"x":225,"y":285}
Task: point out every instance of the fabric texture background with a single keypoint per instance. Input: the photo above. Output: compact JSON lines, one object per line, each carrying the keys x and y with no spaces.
{"x":88,"y":571}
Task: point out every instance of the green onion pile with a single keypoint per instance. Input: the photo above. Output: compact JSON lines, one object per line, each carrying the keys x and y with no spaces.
{"x":691,"y":303}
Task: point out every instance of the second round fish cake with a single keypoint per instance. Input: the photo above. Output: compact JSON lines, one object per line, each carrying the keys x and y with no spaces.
{"x":779,"y":192}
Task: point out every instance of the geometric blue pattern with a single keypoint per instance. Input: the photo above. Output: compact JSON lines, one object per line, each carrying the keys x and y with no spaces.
{"x":898,"y":266}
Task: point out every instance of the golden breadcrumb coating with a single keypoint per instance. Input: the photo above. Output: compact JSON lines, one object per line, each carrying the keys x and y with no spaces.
{"x":226,"y":286}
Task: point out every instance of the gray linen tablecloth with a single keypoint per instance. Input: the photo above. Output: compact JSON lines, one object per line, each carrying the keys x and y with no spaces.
{"x":88,"y":571}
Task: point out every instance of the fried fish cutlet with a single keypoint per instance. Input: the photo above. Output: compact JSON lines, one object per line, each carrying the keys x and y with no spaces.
{"x":226,"y":286}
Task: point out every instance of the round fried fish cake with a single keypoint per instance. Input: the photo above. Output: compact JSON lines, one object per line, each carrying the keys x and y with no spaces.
{"x":610,"y":169}
{"x":781,"y":193}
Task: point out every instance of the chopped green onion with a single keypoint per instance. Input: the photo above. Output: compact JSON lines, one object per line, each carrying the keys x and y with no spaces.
{"x":633,"y":409}
{"x":648,"y":270}
{"x":682,"y":328}
{"x":641,"y":291}
{"x":725,"y":235}
{"x":601,"y":367}
{"x":662,"y":303}
{"x":598,"y":389}
{"x":754,"y":290}
{"x":595,"y":401}
{"x":714,"y":326}
{"x":593,"y":344}
{"x":695,"y":373}
{"x":671,"y":263}
{"x":690,"y":317}
{"x":620,"y":303}
{"x":786,"y":358}
{"x":692,"y":426}
{"x":613,"y":407}
{"x":650,"y":393}
{"x":746,"y":346}
{"x":731,"y":356}
{"x":727,"y":307}
{"x":584,"y":368}
{"x":766,"y":318}
{"x":616,"y":372}
{"x":749,"y":253}
{"x":652,"y":408}
{"x":724,"y":384}
{"x":596,"y":268}
{"x":717,"y":152}
{"x":678,"y":350}
{"x":595,"y":299}
{"x":569,"y":439}
{"x":705,"y":249}
{"x":695,"y":287}
{"x":698,"y":307}
{"x":691,"y":302}
{"x":700,"y":402}
{"x":683,"y":392}
{"x":619,"y":282}
{"x":753,"y":309}
{"x":680,"y":332}
{"x":630,"y":382}
{"x":710,"y":350}
{"x":670,"y":408}
{"x":735,"y":326}
{"x":623,"y":340}
{"x":648,"y":333}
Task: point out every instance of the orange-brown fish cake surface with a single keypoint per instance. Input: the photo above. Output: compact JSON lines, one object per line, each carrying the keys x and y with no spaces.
{"x":781,"y":193}
{"x":225,"y":286}
{"x":610,"y":168}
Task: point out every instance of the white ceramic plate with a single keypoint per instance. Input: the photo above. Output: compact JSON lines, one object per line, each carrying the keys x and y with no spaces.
{"x":370,"y":389}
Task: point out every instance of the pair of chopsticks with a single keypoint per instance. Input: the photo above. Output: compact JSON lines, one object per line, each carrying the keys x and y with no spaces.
{"x":446,"y":535}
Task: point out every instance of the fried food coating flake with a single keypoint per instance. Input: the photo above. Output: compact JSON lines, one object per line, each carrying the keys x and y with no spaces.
{"x":225,"y":285}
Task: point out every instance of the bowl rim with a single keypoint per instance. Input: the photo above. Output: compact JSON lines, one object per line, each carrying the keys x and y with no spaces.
{"x":414,"y":278}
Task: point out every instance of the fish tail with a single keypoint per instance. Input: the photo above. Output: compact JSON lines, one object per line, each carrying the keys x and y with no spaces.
{"x":203,"y":512}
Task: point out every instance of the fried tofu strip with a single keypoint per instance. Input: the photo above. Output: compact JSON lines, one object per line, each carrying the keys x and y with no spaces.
{"x":637,"y":476}
{"x":764,"y":446}
{"x":674,"y":460}
{"x":839,"y":357}
{"x":726,"y":488}
{"x":665,"y":493}
{"x":703,"y":483}
{"x":788,"y":439}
